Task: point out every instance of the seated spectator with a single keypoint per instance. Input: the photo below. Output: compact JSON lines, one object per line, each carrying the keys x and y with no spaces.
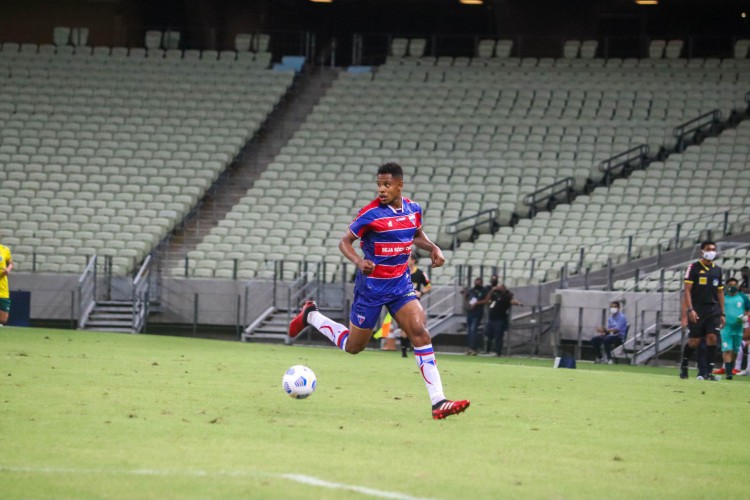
{"x":610,"y":336}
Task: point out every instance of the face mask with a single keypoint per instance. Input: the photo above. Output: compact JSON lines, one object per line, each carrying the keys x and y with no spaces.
{"x":732,"y":290}
{"x":613,"y":310}
{"x":709,"y":255}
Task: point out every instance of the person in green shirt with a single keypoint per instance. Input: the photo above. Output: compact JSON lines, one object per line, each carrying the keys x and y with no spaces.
{"x":736,"y":308}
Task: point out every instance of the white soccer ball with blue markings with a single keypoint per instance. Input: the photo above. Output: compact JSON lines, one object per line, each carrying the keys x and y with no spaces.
{"x":299,"y":381}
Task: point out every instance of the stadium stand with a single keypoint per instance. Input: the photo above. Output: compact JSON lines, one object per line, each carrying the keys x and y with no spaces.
{"x":106,"y":150}
{"x":478,"y":137}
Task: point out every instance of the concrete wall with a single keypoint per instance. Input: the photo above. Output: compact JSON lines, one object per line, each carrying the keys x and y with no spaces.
{"x":207,"y":301}
{"x":584,"y":310}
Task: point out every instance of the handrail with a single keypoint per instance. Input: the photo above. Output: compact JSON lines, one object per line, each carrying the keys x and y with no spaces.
{"x":623,"y":159}
{"x":141,"y":295}
{"x":695,"y":124}
{"x":682,"y":129}
{"x":145,"y":268}
{"x":562,"y":186}
{"x":452,"y":228}
{"x":87,"y":291}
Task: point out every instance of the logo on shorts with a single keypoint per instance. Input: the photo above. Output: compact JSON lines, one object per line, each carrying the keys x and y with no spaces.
{"x":360,"y":318}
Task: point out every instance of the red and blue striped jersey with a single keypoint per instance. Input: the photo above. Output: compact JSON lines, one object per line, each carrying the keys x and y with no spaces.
{"x":387,"y":236}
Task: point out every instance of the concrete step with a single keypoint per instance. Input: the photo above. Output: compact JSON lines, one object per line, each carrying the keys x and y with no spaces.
{"x":109,"y":329}
{"x":109,"y":323}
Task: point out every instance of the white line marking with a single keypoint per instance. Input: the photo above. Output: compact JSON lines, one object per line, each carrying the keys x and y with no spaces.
{"x":297,"y":478}
{"x":339,"y":486}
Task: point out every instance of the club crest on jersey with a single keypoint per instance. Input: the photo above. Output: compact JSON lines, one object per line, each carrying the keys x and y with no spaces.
{"x":412,"y":218}
{"x":360,"y":318}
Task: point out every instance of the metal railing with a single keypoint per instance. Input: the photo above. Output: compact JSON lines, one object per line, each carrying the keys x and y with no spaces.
{"x":87,"y":292}
{"x":558,"y":191}
{"x":707,"y":120}
{"x":473,"y":223}
{"x":141,"y":290}
{"x":624,"y":160}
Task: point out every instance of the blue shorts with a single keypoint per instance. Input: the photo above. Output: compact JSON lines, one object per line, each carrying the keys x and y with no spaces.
{"x":366,"y":308}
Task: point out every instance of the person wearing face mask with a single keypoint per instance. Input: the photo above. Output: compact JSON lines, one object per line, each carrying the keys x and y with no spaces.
{"x":702,"y":309}
{"x":498,"y":314}
{"x":611,"y":335}
{"x":474,"y":299}
{"x":736,"y":306}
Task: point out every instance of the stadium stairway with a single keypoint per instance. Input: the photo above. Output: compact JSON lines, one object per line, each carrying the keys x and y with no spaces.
{"x":111,"y":316}
{"x":281,"y":124}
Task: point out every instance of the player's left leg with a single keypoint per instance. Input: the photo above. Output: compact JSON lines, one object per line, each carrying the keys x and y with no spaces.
{"x":4,"y":311}
{"x":410,"y":317}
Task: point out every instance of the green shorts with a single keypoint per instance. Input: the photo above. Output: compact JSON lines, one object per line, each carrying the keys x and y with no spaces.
{"x":731,"y":341}
{"x":5,"y":305}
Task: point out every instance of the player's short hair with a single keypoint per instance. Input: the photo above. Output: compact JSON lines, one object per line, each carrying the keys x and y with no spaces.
{"x":706,"y":243}
{"x":414,"y":257}
{"x":732,"y":279}
{"x":615,"y":302}
{"x":392,"y":168}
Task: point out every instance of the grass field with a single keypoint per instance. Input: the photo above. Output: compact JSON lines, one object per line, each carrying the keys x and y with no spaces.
{"x":98,"y":415}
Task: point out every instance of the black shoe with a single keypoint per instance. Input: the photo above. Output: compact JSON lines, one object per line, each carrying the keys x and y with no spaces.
{"x":683,"y":372}
{"x":730,"y":377}
{"x":710,"y":376}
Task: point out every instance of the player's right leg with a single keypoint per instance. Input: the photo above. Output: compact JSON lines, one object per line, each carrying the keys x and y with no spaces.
{"x":687,"y":352}
{"x":409,"y":315}
{"x":351,"y":339}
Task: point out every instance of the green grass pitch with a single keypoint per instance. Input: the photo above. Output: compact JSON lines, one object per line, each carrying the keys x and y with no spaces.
{"x":96,"y":415}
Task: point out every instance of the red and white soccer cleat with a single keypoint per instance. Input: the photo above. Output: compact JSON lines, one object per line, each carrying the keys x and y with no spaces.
{"x":719,"y":371}
{"x":448,"y":408}
{"x":300,"y":320}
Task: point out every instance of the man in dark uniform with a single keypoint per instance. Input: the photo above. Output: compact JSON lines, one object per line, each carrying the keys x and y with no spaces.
{"x":498,"y":314}
{"x":474,"y":301}
{"x":703,"y":308}
{"x":422,"y":285}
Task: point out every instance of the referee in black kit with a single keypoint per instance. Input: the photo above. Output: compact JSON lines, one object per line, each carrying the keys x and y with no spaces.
{"x":703,"y":308}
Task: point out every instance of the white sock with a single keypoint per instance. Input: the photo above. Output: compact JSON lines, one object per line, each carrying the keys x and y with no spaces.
{"x":427,"y":365}
{"x":336,"y":332}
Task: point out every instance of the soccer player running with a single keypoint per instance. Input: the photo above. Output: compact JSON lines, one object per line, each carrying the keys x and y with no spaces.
{"x":703,"y":308}
{"x":6,"y":266}
{"x":389,"y":226}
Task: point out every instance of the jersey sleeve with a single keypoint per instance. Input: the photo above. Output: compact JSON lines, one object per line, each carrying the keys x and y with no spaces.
{"x":690,"y":273}
{"x":361,"y":224}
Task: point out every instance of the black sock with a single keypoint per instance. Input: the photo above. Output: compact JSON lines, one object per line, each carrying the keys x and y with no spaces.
{"x":710,"y":356}
{"x":687,"y":352}
{"x":743,"y":364}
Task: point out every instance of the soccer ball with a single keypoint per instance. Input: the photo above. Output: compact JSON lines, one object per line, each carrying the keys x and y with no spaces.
{"x":299,"y":382}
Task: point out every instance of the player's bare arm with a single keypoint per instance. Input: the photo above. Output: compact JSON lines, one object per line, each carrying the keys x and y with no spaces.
{"x":346,"y":246}
{"x":422,"y":242}
{"x":8,"y":268}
